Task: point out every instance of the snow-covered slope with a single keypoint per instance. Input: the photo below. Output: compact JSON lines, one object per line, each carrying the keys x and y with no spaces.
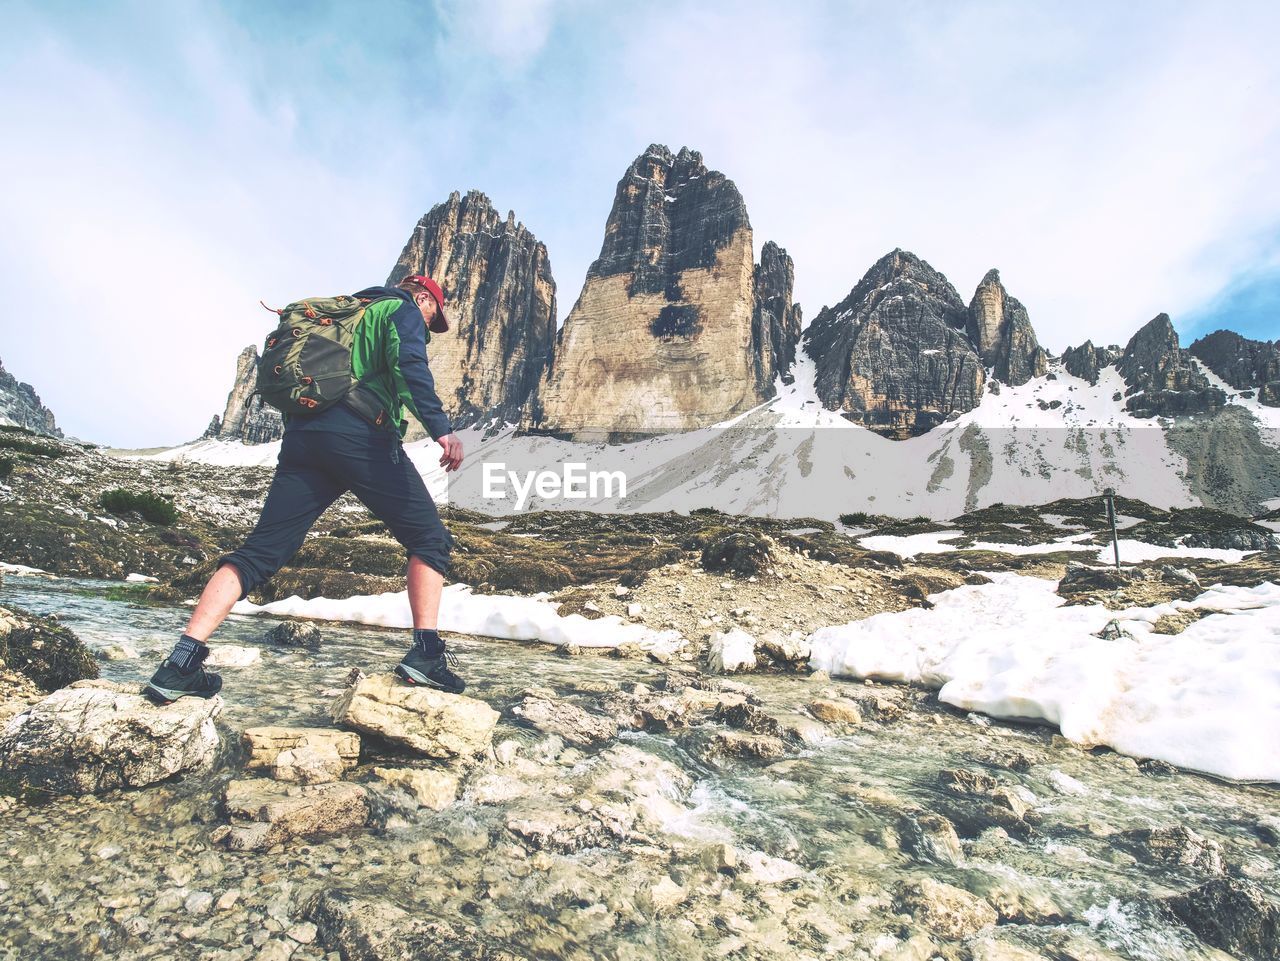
{"x":1055,"y":436}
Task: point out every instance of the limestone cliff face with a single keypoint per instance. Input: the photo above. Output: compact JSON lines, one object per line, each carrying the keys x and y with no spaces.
{"x":1161,"y":378}
{"x":665,"y":335}
{"x":20,"y":405}
{"x":1001,"y":331}
{"x":894,"y":355}
{"x":1086,"y":361}
{"x":775,"y":322}
{"x":246,"y":418}
{"x":1247,"y":365}
{"x":501,"y":301}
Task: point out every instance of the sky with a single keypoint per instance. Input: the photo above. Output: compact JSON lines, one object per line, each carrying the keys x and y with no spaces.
{"x":164,"y":166}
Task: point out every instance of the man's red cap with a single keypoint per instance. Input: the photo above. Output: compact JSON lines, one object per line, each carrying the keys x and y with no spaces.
{"x":439,"y":323}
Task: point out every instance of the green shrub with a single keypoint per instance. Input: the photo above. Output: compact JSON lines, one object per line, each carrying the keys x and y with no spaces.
{"x":856,"y":519}
{"x":6,"y":467}
{"x":152,"y":507}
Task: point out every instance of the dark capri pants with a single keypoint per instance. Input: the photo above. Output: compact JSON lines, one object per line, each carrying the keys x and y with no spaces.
{"x":314,"y":469}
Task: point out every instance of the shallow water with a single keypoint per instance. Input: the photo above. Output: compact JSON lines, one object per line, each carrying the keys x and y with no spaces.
{"x":114,"y":874}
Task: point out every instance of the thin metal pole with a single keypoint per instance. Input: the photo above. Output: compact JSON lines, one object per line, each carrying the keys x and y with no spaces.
{"x":1109,"y":496}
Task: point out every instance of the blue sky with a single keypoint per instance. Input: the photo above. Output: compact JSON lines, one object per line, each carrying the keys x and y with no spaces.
{"x":165,"y":165}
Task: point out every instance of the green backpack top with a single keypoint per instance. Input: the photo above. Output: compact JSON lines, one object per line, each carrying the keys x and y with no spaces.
{"x":305,"y":366}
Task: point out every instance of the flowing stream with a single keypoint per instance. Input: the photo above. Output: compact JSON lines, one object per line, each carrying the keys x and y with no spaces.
{"x":117,"y":874}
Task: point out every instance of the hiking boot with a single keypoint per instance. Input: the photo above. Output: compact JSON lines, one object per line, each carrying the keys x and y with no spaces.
{"x":417,"y":668}
{"x":171,"y":681}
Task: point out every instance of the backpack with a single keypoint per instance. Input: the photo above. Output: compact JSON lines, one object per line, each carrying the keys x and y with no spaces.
{"x":305,"y":366}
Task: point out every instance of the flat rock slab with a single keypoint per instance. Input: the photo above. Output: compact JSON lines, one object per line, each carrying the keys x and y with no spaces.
{"x":97,"y":736}
{"x":309,"y":755}
{"x":435,"y":723}
{"x":266,"y":812}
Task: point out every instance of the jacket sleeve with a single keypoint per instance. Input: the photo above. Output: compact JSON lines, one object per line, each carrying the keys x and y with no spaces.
{"x":416,"y":386}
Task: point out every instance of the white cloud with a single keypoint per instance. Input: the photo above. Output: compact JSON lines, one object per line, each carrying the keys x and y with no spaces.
{"x":142,"y":229}
{"x":1111,"y":165}
{"x":513,"y":31}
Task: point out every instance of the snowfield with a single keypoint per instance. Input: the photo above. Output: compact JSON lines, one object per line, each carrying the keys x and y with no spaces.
{"x":1207,"y":699}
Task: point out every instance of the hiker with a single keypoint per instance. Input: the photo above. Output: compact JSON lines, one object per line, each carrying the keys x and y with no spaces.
{"x":352,"y":444}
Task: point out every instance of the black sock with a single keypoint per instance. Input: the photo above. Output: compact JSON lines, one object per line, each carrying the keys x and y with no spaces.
{"x":187,"y":653}
{"x":428,"y":641}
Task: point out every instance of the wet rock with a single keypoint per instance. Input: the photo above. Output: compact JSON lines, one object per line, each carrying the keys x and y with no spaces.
{"x":555,"y":829}
{"x":1176,"y":846}
{"x":720,"y":858}
{"x":554,"y":716}
{"x":431,"y":788}
{"x":739,"y":744}
{"x":966,"y":783}
{"x":800,"y":729}
{"x":947,"y":911}
{"x":760,"y":868}
{"x":990,"y":949}
{"x":366,"y":930}
{"x":1233,"y":915}
{"x":836,"y":711}
{"x":435,"y":723}
{"x":96,"y":736}
{"x":1016,"y":901}
{"x":665,"y":895}
{"x":42,"y":650}
{"x":306,"y":755}
{"x":930,"y":837}
{"x":265,"y":812}
{"x":295,"y":634}
{"x":1268,"y":829}
{"x":117,"y":652}
{"x":731,"y":651}
{"x":748,"y":717}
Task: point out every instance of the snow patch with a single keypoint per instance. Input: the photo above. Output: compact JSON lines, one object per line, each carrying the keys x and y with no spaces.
{"x":1207,"y":699}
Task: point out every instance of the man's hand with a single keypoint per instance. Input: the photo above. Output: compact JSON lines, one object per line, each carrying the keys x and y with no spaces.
{"x":451,"y":458}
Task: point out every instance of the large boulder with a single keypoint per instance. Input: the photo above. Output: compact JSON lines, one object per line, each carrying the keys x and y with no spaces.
{"x":40,"y":648}
{"x":96,"y":736}
{"x":944,"y":909}
{"x":894,"y":355}
{"x":435,"y":723}
{"x":265,"y":812}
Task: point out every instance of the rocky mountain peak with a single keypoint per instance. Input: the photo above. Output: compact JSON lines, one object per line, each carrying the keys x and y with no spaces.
{"x":1162,"y":378}
{"x":20,"y":405}
{"x":894,"y":355}
{"x":675,"y":327}
{"x":246,"y":418}
{"x":1250,"y":366}
{"x":501,"y":299}
{"x":670,"y":214}
{"x":1088,"y":361}
{"x":1001,"y":331}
